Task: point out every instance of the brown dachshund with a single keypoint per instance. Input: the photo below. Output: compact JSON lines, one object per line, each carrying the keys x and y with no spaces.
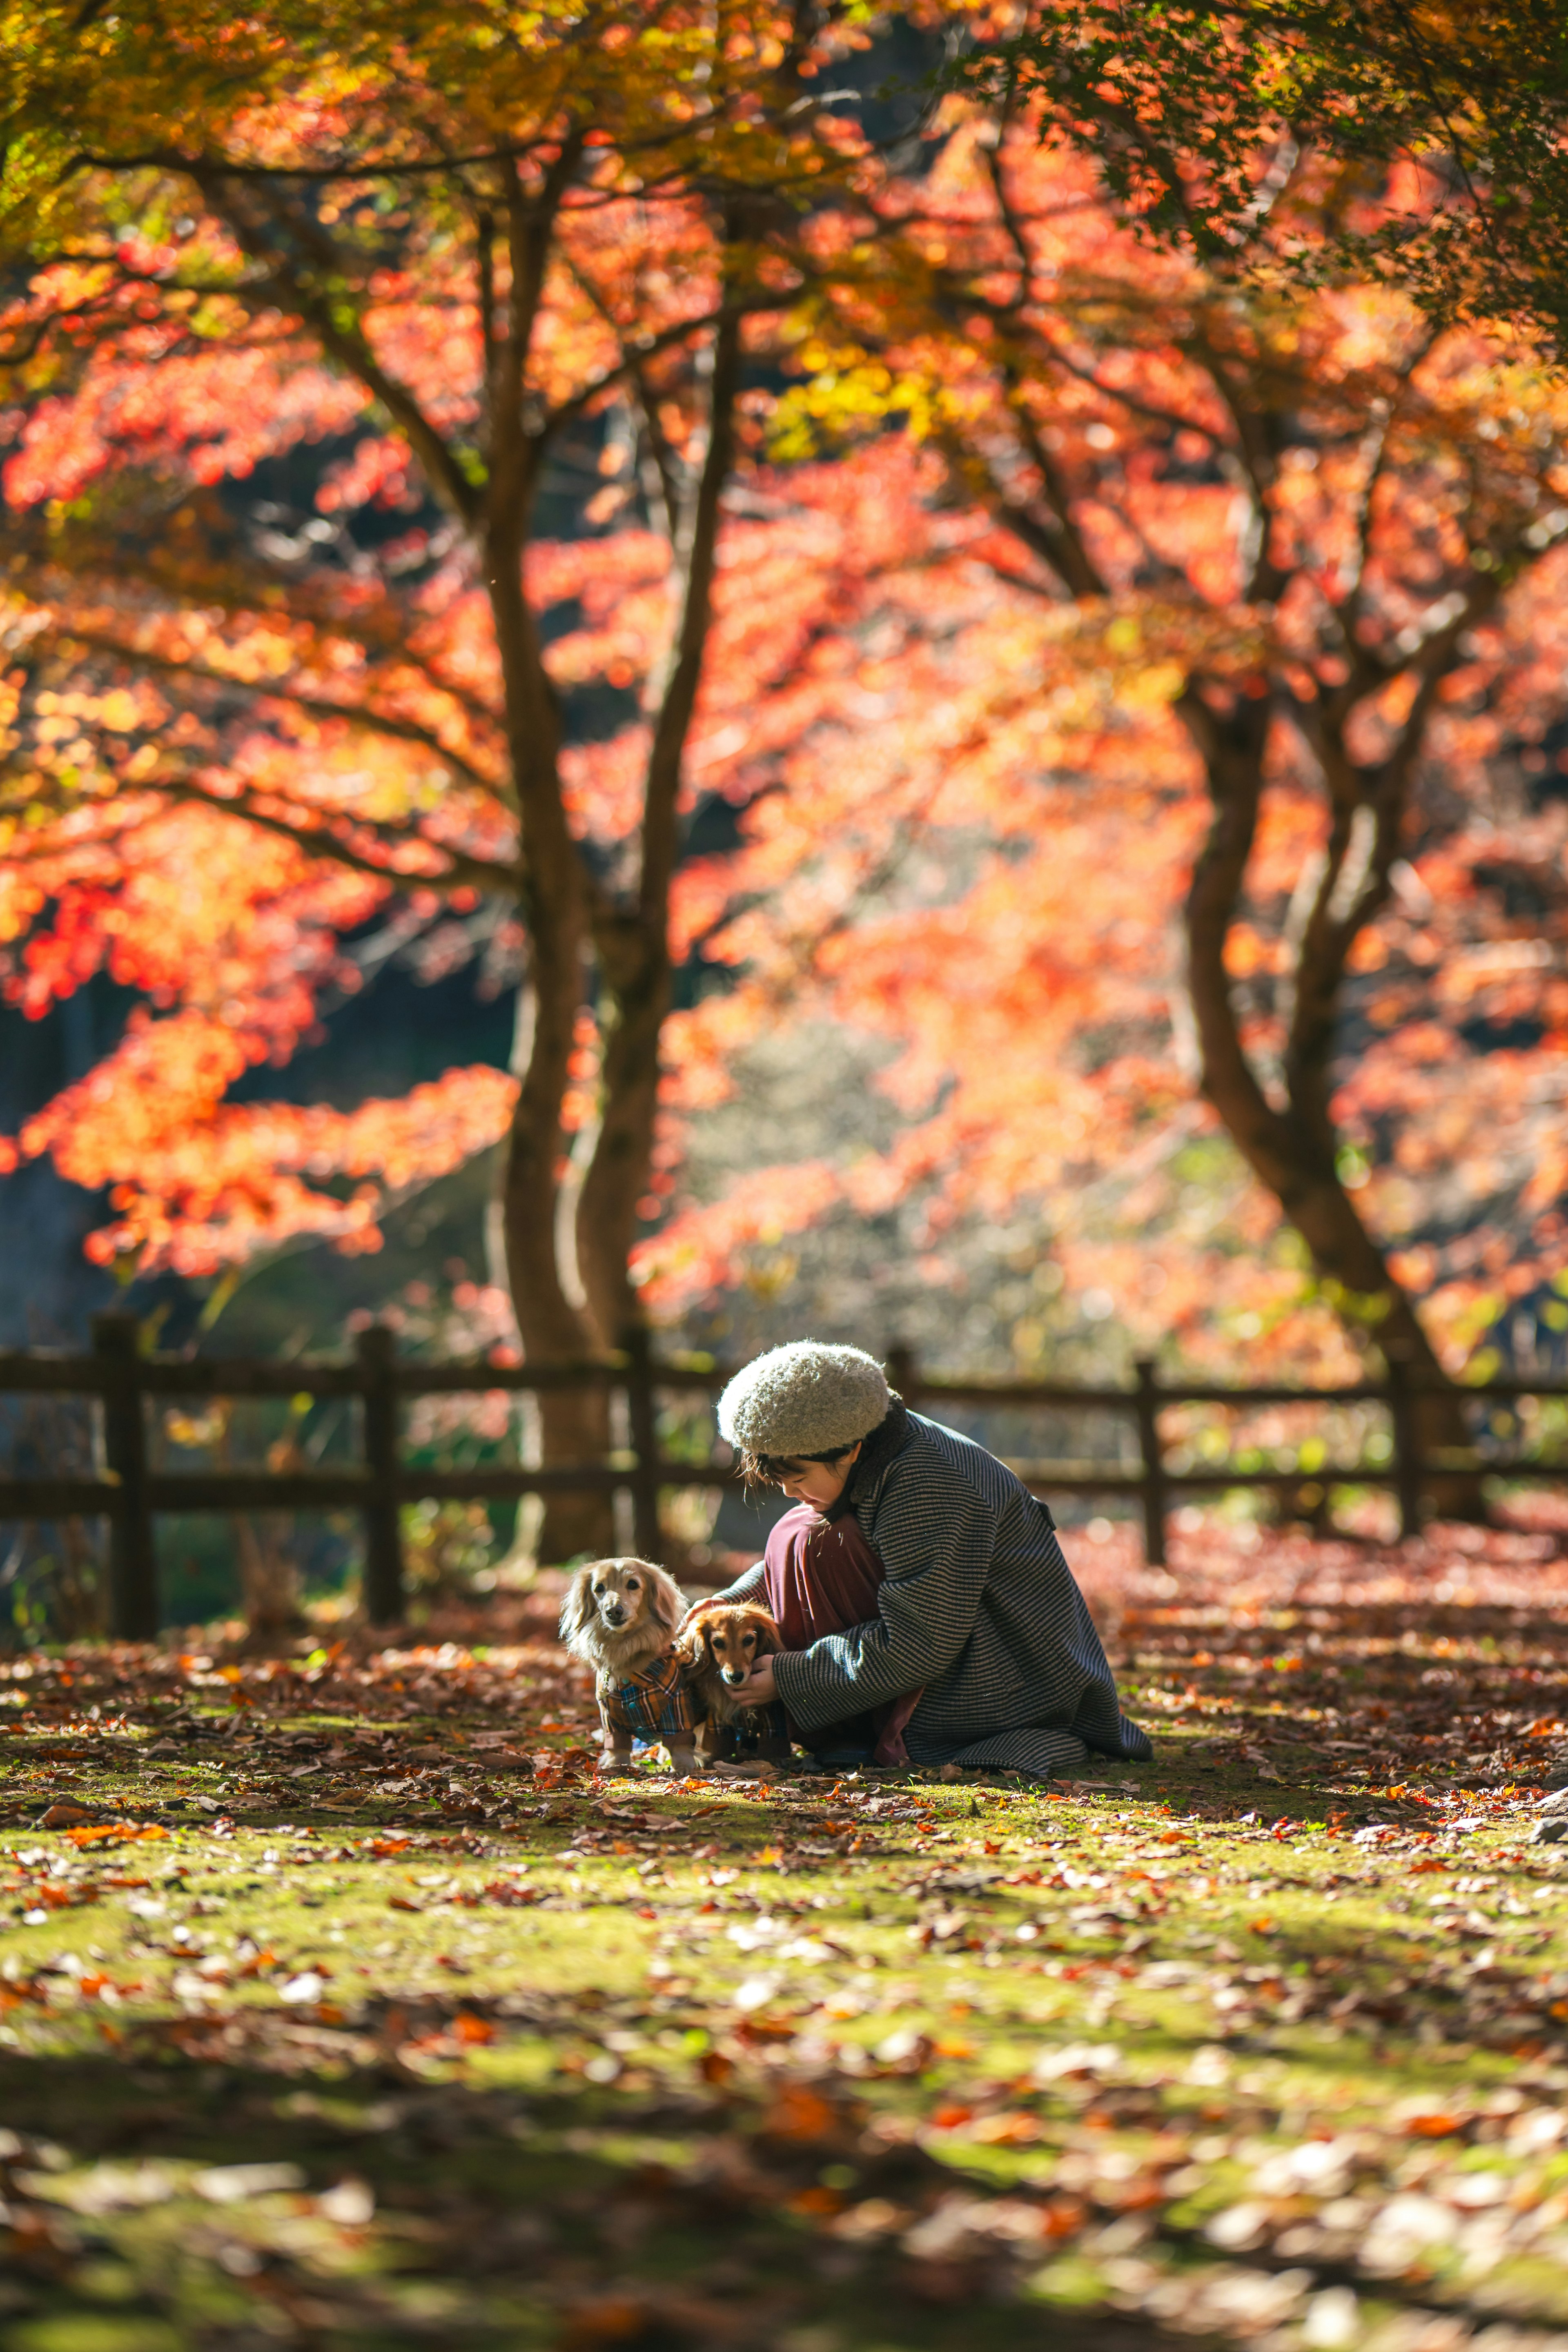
{"x":716,"y":1650}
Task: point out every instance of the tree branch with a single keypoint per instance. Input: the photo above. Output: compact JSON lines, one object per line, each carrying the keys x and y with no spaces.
{"x":1255,"y":460}
{"x":648,"y":347}
{"x":343,"y":337}
{"x":483,"y":713}
{"x":201,"y":168}
{"x":401,"y":731}
{"x":1369,"y":809}
{"x":318,"y":842}
{"x":661,"y":457}
{"x":1172,"y":419}
{"x":1077,"y":566}
{"x":699,"y":559}
{"x":484,"y":236}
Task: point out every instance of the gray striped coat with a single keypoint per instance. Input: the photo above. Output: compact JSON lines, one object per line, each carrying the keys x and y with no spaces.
{"x":979,"y":1606}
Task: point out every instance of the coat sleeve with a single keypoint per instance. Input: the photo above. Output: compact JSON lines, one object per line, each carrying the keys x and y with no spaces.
{"x":936,"y":1537}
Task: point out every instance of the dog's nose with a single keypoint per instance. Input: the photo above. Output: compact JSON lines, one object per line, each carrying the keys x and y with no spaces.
{"x":734,"y":1673}
{"x":615,"y":1616}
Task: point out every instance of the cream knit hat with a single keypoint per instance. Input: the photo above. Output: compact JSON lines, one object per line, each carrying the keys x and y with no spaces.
{"x":804,"y":1399}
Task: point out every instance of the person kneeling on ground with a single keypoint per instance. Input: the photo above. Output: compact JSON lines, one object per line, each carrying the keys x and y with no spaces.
{"x":928,"y":1612}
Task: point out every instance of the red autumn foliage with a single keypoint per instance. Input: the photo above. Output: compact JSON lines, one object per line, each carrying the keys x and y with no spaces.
{"x":1163,"y":579}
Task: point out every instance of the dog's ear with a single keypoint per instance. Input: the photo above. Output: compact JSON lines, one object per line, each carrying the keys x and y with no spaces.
{"x":695,"y":1644}
{"x":665,"y":1601}
{"x":691,"y":1646}
{"x":769,"y":1638}
{"x":577,"y":1604}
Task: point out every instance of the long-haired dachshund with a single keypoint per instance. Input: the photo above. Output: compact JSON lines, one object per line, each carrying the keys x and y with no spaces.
{"x":716,"y":1652}
{"x":619,"y":1617}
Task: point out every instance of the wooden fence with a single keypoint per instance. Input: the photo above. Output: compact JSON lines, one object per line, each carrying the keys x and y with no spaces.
{"x":129,"y":1492}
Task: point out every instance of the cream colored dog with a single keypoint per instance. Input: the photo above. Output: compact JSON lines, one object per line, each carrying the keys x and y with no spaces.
{"x":619,"y":1617}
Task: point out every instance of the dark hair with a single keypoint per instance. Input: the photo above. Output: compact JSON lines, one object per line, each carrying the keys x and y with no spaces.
{"x":771,"y":1468}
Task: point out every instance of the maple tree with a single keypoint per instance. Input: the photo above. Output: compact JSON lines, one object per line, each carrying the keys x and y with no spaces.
{"x":1442,"y":127}
{"x":474,"y":253}
{"x":1249,"y":587}
{"x":1161,"y":557}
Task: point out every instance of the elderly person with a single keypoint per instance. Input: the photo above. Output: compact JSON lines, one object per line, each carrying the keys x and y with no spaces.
{"x":922,"y":1592}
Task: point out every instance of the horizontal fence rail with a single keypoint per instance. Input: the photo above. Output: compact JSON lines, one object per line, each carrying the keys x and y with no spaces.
{"x":129,"y":1492}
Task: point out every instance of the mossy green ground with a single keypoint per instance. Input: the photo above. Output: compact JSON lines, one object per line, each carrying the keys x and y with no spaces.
{"x":327,"y":2026}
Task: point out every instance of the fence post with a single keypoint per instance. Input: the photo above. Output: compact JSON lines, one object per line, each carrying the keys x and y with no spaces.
{"x":1407,"y":1464}
{"x":132,"y":1557}
{"x":384,"y":1590}
{"x":1148,"y":1412}
{"x":642,"y":1422}
{"x":903,"y":1370}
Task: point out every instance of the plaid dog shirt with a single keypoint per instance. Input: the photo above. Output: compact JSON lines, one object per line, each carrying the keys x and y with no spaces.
{"x":650,"y":1704}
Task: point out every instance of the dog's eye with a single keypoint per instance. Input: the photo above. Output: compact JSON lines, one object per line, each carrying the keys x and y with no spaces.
{"x":633,"y":1585}
{"x":598,"y":1592}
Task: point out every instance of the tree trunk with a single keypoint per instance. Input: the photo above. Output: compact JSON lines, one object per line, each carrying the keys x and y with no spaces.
{"x":1291,"y":1150}
{"x":573,"y":1424}
{"x":633,"y":942}
{"x":561,"y":908}
{"x":636,"y":966}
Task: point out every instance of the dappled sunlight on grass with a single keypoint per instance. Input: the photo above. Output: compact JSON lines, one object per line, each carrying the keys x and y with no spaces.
{"x":340,"y":2005}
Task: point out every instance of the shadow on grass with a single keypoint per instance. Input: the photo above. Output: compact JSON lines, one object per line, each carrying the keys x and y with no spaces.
{"x":457,"y":2211}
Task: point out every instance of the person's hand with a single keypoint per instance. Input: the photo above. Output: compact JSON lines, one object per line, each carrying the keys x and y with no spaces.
{"x":697,"y":1607}
{"x":759,"y":1688}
